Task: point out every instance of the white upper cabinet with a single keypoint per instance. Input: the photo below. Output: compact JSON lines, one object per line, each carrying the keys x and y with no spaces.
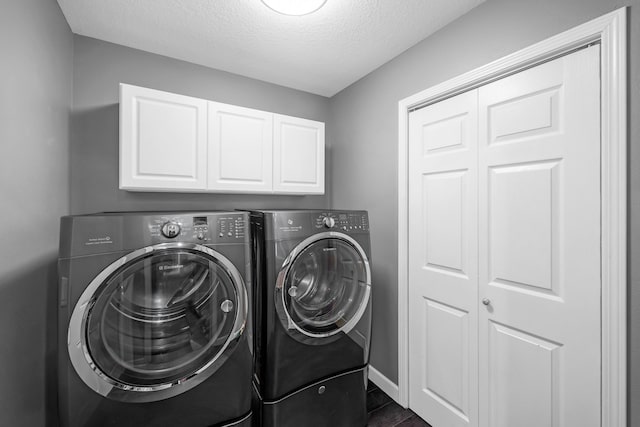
{"x":163,"y":141}
{"x":171,"y":142}
{"x":298,"y":155}
{"x":240,"y":147}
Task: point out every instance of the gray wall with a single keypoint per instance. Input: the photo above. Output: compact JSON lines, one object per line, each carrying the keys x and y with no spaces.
{"x":364,"y":134}
{"x":98,"y":69}
{"x":35,"y":99}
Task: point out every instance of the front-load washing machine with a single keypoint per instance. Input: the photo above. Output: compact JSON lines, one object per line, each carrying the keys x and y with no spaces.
{"x":313,"y":316}
{"x":154,"y":327}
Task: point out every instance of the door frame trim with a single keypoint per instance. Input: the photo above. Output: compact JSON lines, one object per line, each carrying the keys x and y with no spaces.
{"x":610,"y":31}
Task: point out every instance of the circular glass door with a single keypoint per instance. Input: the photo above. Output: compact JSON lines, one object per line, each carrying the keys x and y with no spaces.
{"x":324,"y":285}
{"x":158,"y":318}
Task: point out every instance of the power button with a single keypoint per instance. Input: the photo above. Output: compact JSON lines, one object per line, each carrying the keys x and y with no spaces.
{"x":170,"y":229}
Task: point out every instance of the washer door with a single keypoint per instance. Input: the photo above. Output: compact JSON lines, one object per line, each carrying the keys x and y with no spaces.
{"x":323,"y":288}
{"x":157,"y":322}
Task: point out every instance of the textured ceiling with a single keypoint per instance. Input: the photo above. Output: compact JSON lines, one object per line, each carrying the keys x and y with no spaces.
{"x":320,"y":53}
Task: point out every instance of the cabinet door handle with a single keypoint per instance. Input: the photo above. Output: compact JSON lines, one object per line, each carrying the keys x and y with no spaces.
{"x":486,"y":301}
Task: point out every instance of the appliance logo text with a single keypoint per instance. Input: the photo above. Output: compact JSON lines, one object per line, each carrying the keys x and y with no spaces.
{"x":170,"y":267}
{"x":106,"y":240}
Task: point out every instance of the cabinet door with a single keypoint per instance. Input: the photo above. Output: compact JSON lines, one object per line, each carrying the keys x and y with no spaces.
{"x":298,"y":155}
{"x":240,"y":147}
{"x":163,"y":145}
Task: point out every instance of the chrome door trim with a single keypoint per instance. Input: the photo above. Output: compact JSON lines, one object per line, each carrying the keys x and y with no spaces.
{"x":106,"y":386}
{"x":284,"y":271}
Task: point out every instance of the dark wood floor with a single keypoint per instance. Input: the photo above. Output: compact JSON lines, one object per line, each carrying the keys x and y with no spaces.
{"x":384,"y":412}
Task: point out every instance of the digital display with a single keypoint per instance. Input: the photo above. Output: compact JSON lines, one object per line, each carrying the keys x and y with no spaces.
{"x":199,"y":220}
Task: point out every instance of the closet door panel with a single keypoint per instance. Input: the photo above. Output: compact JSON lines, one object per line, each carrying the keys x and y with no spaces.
{"x":443,"y":262}
{"x":539,"y":245}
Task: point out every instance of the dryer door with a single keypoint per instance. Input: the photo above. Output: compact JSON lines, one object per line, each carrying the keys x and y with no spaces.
{"x":157,"y":322}
{"x":323,"y":288}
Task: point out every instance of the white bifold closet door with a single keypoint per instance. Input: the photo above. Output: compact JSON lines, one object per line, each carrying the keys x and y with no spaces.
{"x":504,"y":251}
{"x":443,"y":261}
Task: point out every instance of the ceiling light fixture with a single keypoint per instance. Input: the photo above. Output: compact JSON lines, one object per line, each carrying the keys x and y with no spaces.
{"x":294,"y":7}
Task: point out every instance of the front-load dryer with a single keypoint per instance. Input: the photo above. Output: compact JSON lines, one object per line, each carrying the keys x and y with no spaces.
{"x":154,"y":326}
{"x":313,"y":316}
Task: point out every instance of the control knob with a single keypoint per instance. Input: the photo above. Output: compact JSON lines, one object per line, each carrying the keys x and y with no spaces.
{"x":329,"y":222}
{"x":170,"y":229}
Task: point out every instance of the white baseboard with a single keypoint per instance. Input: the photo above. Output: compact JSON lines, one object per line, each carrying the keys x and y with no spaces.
{"x":384,"y":383}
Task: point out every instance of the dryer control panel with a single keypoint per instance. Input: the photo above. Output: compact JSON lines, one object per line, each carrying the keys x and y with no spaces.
{"x":295,"y":224}
{"x":343,"y":221}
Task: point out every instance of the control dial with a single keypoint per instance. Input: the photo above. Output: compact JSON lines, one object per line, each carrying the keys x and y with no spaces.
{"x":329,"y":222}
{"x":170,"y":229}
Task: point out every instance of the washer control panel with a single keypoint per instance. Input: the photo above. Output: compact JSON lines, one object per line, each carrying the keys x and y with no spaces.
{"x":203,"y":229}
{"x":230,"y":227}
